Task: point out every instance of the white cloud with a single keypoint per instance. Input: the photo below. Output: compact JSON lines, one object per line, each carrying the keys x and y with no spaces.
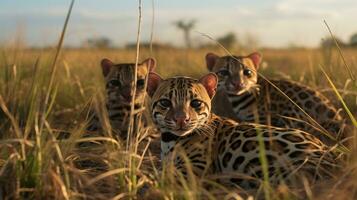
{"x":304,"y":9}
{"x":276,"y":23}
{"x":105,"y":16}
{"x":34,"y":11}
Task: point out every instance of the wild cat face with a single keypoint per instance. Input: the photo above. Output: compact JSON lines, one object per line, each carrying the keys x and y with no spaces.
{"x":236,"y":74}
{"x":181,"y":104}
{"x":120,"y":78}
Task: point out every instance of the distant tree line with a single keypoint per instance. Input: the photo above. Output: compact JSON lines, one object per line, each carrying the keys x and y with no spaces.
{"x":228,"y":40}
{"x":330,"y":42}
{"x":98,"y":42}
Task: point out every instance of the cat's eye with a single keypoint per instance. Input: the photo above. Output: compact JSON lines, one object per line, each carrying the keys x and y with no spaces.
{"x":140,"y":83}
{"x":247,"y":72}
{"x":114,"y":83}
{"x":223,"y":72}
{"x":195,"y":103}
{"x":165,"y":103}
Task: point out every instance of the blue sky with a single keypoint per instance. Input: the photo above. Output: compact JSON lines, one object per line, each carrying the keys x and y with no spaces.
{"x":274,"y":23}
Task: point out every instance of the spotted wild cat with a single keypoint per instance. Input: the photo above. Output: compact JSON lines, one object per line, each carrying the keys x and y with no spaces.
{"x":181,"y":110}
{"x":244,"y":90}
{"x":119,"y":79}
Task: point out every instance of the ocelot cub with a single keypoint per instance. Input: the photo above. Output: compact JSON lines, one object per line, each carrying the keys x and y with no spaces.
{"x":93,"y":155}
{"x":241,"y":92}
{"x":119,"y":79}
{"x":190,"y":133}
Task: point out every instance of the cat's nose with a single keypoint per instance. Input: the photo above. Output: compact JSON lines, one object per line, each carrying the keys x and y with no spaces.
{"x":238,"y":84}
{"x":127,"y":97}
{"x":181,"y":119}
{"x":126,"y":93}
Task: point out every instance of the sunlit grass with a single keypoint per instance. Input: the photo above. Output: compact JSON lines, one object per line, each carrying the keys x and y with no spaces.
{"x":42,"y":163}
{"x":45,"y":93}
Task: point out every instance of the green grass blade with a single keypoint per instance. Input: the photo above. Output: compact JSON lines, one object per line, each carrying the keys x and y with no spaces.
{"x":354,"y":122}
{"x":340,"y":52}
{"x":58,"y":51}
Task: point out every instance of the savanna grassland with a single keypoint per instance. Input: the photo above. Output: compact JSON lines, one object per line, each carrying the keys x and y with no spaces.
{"x":36,"y":109}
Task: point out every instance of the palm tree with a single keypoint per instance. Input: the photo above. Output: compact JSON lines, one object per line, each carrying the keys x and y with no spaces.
{"x":186,"y":27}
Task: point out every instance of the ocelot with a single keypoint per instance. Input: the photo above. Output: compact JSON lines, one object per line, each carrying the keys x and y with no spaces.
{"x":247,"y":97}
{"x":119,"y":79}
{"x":210,"y":144}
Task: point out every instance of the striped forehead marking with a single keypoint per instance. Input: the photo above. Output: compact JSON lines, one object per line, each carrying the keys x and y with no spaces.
{"x":233,"y":62}
{"x":125,"y":72}
{"x":180,"y":89}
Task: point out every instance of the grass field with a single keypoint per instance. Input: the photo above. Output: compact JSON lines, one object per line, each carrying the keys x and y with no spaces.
{"x":45,"y":95}
{"x":34,"y":164}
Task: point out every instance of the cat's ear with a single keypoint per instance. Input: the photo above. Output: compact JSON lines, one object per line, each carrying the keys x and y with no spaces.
{"x":256,"y":58}
{"x":211,"y":60}
{"x":210,"y":81}
{"x":150,"y":63}
{"x":154,"y":81}
{"x":106,"y":66}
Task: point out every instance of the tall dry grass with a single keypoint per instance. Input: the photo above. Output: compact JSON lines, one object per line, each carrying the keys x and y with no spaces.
{"x":45,"y":93}
{"x":35,"y":164}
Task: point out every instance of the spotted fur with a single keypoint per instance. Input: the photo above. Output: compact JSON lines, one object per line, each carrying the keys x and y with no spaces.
{"x":246,"y":91}
{"x":119,"y":79}
{"x":181,"y":110}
